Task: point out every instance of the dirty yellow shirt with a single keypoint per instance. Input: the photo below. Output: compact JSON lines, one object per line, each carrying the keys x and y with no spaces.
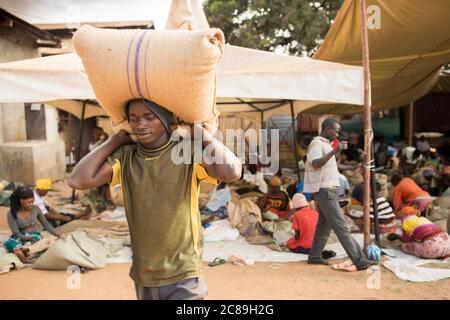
{"x":161,"y":205}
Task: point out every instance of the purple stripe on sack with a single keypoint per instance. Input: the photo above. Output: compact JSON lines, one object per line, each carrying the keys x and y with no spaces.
{"x":136,"y":64}
{"x":128,"y":63}
{"x":145,"y":68}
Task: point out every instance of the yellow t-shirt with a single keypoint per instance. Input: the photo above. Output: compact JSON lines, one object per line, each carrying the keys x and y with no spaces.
{"x":161,"y":205}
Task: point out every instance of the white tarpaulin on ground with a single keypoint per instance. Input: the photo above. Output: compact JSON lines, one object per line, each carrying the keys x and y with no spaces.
{"x":261,"y":253}
{"x":411,"y":268}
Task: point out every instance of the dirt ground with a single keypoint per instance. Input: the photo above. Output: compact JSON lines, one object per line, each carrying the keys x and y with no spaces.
{"x":261,"y":281}
{"x":228,"y":281}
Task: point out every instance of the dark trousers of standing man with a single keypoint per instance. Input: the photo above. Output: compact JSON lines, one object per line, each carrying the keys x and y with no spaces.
{"x":331,"y":218}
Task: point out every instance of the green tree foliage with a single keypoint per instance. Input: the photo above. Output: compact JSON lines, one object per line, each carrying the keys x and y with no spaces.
{"x":293,"y":26}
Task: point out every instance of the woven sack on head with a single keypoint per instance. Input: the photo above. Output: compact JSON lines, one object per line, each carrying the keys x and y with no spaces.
{"x":175,"y":69}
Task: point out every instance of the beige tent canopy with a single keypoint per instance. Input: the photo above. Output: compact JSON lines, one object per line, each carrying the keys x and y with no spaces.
{"x":406,"y":52}
{"x":258,"y":84}
{"x":251,"y":75}
{"x":75,"y":107}
{"x":251,"y":82}
{"x":58,"y":80}
{"x":269,"y":81}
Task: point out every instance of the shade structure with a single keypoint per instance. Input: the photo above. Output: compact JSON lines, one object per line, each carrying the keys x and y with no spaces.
{"x":247,"y":74}
{"x":406,"y":52}
{"x":243,"y":74}
{"x":266,"y":79}
{"x":75,"y":107}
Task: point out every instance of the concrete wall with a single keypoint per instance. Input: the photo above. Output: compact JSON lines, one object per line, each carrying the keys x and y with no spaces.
{"x":51,"y":123}
{"x":28,"y":161}
{"x":1,"y":125}
{"x":21,"y":160}
{"x":14,"y":46}
{"x":13,"y":122}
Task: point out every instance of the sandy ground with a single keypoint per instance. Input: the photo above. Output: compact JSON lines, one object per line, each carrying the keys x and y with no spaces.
{"x":262,"y":281}
{"x":228,"y":281}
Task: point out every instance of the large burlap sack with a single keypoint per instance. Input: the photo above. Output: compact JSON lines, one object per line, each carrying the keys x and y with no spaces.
{"x":443,"y":202}
{"x":245,"y":216}
{"x":77,"y":249}
{"x":175,"y":69}
{"x":354,"y":177}
{"x":382,"y":179}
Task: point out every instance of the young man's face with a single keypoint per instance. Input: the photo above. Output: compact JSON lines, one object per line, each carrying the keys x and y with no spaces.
{"x":145,"y":124}
{"x":332,"y":132}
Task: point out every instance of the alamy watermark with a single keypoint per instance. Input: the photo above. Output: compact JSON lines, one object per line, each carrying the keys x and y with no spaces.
{"x":250,"y":147}
{"x":373,"y":17}
{"x":374,"y":280}
{"x":73,"y":281}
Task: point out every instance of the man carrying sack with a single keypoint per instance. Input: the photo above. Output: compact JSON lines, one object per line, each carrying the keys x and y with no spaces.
{"x":160,"y":198}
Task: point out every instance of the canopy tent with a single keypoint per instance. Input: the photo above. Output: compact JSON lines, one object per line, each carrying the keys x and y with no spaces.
{"x":75,"y":107}
{"x":443,"y":83}
{"x":286,"y":84}
{"x":50,"y":14}
{"x":262,"y":84}
{"x":406,"y":53}
{"x":57,"y":80}
{"x":266,"y":80}
{"x":270,"y":81}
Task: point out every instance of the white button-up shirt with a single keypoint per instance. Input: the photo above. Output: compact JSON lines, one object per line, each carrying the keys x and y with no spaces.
{"x":38,"y":201}
{"x":324,"y":177}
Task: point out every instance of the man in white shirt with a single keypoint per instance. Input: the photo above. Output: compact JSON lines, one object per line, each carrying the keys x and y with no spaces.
{"x":322,"y":179}
{"x":53,"y":217}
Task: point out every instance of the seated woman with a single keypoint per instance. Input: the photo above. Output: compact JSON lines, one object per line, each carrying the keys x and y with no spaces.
{"x":408,"y":194}
{"x":304,"y":222}
{"x":216,"y":206}
{"x":55,"y":218}
{"x":386,"y":218}
{"x":23,"y":219}
{"x":275,"y":200}
{"x":421,"y":237}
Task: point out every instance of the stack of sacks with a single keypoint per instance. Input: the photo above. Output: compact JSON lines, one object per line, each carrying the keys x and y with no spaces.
{"x":354,"y":177}
{"x":175,"y":69}
{"x":382,"y":179}
{"x":443,"y":202}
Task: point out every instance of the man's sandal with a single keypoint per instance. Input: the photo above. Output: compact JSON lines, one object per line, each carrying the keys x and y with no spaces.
{"x":216,"y":262}
{"x":347,"y":266}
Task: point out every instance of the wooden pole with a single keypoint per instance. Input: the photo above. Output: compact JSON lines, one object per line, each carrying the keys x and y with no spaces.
{"x":368,"y":135}
{"x":294,"y":132}
{"x":411,"y":124}
{"x":80,"y":138}
{"x":262,"y":119}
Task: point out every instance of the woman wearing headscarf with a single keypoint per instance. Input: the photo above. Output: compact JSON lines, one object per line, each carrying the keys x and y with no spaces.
{"x":421,"y":237}
{"x":23,"y":218}
{"x":408,"y":194}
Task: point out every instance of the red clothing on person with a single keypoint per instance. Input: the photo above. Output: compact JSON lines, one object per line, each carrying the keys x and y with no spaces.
{"x":305,"y":221}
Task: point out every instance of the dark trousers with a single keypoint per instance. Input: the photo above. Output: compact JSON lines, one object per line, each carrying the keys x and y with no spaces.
{"x":331,"y":218}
